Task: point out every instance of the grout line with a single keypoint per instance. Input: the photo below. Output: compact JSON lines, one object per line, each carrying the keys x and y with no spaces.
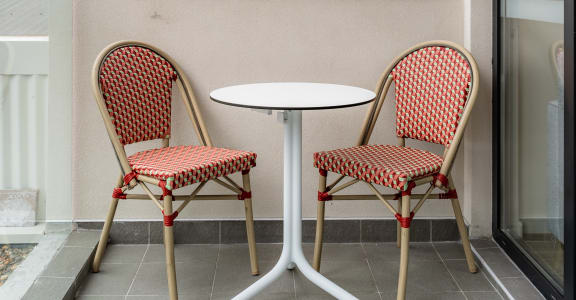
{"x":215,"y":270}
{"x":447,"y":269}
{"x":370,"y":268}
{"x":137,"y":270}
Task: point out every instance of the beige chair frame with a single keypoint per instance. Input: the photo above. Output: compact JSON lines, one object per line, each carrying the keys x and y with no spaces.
{"x":403,"y":234}
{"x":165,"y":205}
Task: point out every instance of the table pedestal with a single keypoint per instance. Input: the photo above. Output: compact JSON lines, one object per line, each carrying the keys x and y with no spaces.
{"x":292,"y":255}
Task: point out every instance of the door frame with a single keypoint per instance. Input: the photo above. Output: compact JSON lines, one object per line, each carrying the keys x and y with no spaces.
{"x":548,"y":289}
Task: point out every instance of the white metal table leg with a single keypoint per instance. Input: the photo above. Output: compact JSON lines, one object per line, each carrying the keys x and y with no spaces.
{"x":292,"y":249}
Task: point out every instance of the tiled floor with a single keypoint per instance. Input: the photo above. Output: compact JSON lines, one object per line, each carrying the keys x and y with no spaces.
{"x":368,"y":270}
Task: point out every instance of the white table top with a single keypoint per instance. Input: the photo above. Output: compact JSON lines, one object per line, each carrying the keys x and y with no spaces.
{"x":292,"y":96}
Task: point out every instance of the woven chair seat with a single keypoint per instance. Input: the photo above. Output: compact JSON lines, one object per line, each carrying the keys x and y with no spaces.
{"x":190,"y":164}
{"x":387,"y":165}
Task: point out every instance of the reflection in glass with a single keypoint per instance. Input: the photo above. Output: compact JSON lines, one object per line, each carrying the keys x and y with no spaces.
{"x":532,"y":97}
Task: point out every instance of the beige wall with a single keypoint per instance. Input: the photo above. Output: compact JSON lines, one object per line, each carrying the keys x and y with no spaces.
{"x":220,"y":43}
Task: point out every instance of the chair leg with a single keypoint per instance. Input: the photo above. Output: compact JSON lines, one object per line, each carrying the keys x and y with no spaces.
{"x":404,"y":247}
{"x":319,"y":225}
{"x":398,"y":227}
{"x":464,"y":236}
{"x":250,"y":226}
{"x":105,"y":232}
{"x":169,"y":248}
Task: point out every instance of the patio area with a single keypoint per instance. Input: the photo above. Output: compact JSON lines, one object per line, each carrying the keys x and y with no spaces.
{"x":173,"y":149}
{"x":368,"y":270}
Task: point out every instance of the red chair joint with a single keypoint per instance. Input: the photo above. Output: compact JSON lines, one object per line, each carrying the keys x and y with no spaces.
{"x":244,"y":195}
{"x":244,"y":172}
{"x":324,"y":196}
{"x":404,"y":222}
{"x":129,"y":177}
{"x":165,"y":190}
{"x":442,"y":178}
{"x":408,"y":190}
{"x":118,"y":194}
{"x":323,"y":172}
{"x":169,"y":220}
{"x":451,"y":194}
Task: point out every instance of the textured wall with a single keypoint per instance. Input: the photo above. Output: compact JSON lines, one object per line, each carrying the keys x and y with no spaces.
{"x":220,"y":43}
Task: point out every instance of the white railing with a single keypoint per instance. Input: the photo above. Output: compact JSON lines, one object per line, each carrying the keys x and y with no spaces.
{"x":23,"y":108}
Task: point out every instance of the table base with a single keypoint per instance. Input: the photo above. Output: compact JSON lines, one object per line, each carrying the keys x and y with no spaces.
{"x":292,"y":255}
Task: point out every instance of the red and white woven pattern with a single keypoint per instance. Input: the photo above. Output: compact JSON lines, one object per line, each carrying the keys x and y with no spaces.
{"x":136,"y":84}
{"x":190,"y":164}
{"x":388,"y":165}
{"x":432,"y":86}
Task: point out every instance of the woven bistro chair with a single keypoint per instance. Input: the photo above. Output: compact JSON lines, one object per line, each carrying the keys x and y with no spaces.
{"x":132,"y":84}
{"x":436,"y":84}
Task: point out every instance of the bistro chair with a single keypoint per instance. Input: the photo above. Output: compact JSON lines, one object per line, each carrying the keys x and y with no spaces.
{"x":436,"y":84}
{"x":132,"y":83}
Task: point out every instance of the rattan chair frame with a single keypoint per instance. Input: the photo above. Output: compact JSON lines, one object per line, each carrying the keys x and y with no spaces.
{"x":404,"y":206}
{"x":165,"y":203}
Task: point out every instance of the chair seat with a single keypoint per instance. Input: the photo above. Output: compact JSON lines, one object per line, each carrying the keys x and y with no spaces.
{"x":388,"y":165}
{"x":190,"y":164}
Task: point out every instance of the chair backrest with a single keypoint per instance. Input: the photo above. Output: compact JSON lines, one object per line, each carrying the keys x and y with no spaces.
{"x":432,"y":85}
{"x":136,"y":84}
{"x":132,"y":83}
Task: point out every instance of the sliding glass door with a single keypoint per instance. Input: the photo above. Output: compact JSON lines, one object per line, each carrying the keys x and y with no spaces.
{"x":530,"y":138}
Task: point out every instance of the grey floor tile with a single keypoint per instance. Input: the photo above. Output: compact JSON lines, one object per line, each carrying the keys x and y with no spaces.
{"x":445,"y":230}
{"x":68,"y":262}
{"x":233,"y":253}
{"x":129,"y":233}
{"x":325,"y":296}
{"x":426,"y":296}
{"x":83,"y":238}
{"x":483,"y":296}
{"x":104,"y":297}
{"x":521,"y":288}
{"x":335,"y":231}
{"x":467,"y":281}
{"x":423,"y":276}
{"x":183,"y":253}
{"x":160,"y":297}
{"x":193,"y":278}
{"x":263,"y":296}
{"x":197,"y":232}
{"x":49,"y":288}
{"x":336,"y":252}
{"x":420,"y":231}
{"x":233,"y":276}
{"x":500,"y":264}
{"x":232,"y":232}
{"x":483,"y":243}
{"x":350,"y":275}
{"x":124,"y":253}
{"x":390,"y":252}
{"x":378,"y":231}
{"x":113,"y":279}
{"x":450,"y":250}
{"x":268,"y":231}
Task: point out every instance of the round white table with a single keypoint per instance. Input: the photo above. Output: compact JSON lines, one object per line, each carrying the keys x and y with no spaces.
{"x":292,"y":98}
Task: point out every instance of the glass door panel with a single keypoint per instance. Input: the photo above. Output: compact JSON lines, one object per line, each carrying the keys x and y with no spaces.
{"x":532,"y":131}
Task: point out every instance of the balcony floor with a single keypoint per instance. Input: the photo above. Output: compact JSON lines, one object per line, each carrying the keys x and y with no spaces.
{"x":367,"y":270}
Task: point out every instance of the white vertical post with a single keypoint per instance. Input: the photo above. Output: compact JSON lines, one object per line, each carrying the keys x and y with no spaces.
{"x":292,"y":250}
{"x":286,"y":257}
